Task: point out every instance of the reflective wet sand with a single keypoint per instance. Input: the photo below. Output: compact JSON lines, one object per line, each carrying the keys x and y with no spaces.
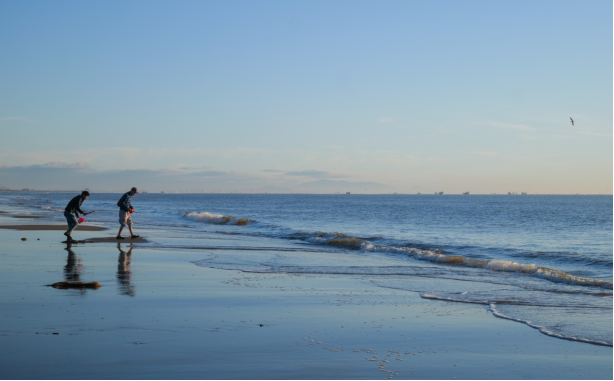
{"x":159,"y":315}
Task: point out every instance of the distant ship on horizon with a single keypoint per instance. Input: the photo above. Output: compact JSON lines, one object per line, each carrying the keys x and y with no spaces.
{"x":465,"y":192}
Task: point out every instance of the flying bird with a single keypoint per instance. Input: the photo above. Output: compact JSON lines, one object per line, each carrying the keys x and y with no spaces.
{"x":572,"y":123}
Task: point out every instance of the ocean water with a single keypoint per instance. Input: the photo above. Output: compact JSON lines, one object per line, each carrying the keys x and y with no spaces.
{"x":545,"y":261}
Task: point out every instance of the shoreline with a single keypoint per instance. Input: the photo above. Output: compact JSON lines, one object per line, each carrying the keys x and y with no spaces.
{"x":171,"y":313}
{"x":52,"y":227}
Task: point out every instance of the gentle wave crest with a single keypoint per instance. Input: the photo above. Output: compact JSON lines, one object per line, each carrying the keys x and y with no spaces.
{"x":493,"y":308}
{"x":545,"y":330}
{"x":494,"y":265}
{"x":341,"y":240}
{"x":50,"y":208}
{"x":216,"y":219}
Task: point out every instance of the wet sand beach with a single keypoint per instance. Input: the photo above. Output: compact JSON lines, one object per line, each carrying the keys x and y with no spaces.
{"x":163,"y":313}
{"x":51,"y":227}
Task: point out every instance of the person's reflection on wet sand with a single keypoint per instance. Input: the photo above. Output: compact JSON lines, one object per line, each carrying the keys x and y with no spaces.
{"x":124,"y":273}
{"x":71,"y":270}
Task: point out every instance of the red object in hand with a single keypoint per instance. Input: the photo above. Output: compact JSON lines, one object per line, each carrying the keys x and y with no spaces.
{"x":131,"y":211}
{"x":81,"y":219}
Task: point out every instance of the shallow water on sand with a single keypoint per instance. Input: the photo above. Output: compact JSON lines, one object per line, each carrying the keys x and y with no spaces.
{"x":545,"y":261}
{"x":163,"y":313}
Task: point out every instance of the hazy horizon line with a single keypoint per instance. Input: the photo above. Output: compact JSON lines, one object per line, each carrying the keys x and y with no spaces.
{"x":310,"y":193}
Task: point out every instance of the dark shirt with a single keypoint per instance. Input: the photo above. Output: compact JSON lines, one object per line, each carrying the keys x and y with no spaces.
{"x":124,"y":202}
{"x":74,"y":205}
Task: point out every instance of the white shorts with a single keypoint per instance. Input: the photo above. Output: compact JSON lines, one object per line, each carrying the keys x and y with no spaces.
{"x":125,"y":219}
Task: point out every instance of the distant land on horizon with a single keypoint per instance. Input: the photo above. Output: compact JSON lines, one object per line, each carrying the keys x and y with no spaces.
{"x":58,"y":177}
{"x":276,"y":190}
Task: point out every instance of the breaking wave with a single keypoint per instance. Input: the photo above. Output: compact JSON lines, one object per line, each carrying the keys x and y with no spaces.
{"x":343,"y":241}
{"x":495,"y":311}
{"x":50,"y":208}
{"x":494,"y":265}
{"x":546,"y":330}
{"x":216,"y":219}
{"x":340,"y":240}
{"x":337,"y":239}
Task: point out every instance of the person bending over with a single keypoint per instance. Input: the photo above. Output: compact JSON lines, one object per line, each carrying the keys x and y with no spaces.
{"x":72,"y":212}
{"x":125,"y":209}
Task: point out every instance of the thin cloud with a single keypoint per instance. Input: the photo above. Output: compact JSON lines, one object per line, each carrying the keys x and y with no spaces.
{"x":488,"y":154}
{"x":595,"y":134}
{"x":315,"y":174}
{"x":114,"y":157}
{"x":18,"y":118}
{"x":511,"y":126}
{"x":51,"y":165}
{"x":65,"y":176}
{"x":208,"y":174}
{"x":545,"y":137}
{"x":187,"y":168}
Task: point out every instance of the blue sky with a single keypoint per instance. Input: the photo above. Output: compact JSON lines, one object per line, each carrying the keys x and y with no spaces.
{"x":433,"y":95}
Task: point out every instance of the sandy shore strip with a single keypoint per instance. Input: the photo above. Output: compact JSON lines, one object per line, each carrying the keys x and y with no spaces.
{"x":26,"y":216}
{"x":188,"y":314}
{"x":52,"y":227}
{"x":126,"y":240}
{"x":11,"y":214}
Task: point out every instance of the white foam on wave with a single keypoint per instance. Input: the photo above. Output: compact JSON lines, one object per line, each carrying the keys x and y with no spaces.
{"x":429,"y":295}
{"x":494,"y":265}
{"x":216,"y":219}
{"x":493,"y":308}
{"x":339,"y":240}
{"x":54,"y":209}
{"x":544,"y":330}
{"x":343,"y":241}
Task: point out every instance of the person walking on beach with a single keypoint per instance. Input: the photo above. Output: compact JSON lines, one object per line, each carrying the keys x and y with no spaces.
{"x":125,"y":209}
{"x":72,"y":212}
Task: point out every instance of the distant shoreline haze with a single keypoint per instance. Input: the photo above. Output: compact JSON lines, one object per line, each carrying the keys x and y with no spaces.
{"x":57,"y":176}
{"x":197,"y":192}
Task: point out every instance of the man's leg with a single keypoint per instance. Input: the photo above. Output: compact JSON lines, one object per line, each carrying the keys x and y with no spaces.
{"x":129,"y":223}
{"x":122,"y":223}
{"x":72,"y":224}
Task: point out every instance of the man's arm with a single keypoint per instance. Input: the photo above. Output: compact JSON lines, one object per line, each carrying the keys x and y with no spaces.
{"x":79,"y":208}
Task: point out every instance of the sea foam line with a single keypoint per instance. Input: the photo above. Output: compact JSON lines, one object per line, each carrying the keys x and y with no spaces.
{"x":492,"y":307}
{"x":216,"y":219}
{"x":338,"y":239}
{"x":342,"y":240}
{"x":50,"y":208}
{"x":494,"y":265}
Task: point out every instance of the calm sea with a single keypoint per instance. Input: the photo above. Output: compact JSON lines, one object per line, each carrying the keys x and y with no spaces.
{"x":545,"y":261}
